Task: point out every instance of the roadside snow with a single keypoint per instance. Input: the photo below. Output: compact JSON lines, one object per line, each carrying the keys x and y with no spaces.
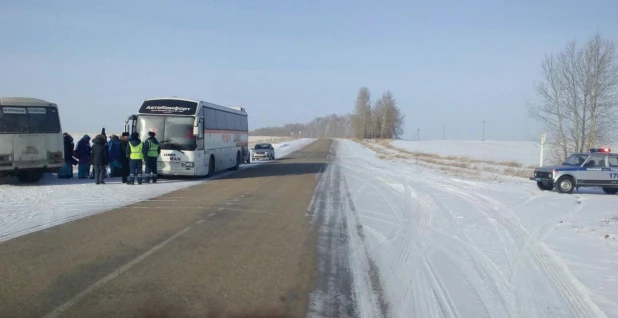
{"x":524,"y":152}
{"x":29,"y":208}
{"x":447,"y":247}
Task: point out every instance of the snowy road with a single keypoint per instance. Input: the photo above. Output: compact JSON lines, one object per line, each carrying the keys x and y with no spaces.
{"x":419,"y":243}
{"x":28,"y":208}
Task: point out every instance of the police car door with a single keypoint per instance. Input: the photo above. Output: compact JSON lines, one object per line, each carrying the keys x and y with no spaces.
{"x":612,"y":174}
{"x":596,"y":170}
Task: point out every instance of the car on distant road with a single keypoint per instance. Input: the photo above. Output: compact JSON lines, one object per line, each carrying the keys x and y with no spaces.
{"x":263,"y":151}
{"x":597,"y":168}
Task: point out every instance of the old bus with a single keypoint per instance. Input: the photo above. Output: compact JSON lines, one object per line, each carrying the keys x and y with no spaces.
{"x":197,"y":138}
{"x":30,"y":138}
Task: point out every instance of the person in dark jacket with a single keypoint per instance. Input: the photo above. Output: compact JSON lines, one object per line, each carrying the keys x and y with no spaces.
{"x":69,"y":161}
{"x":152,"y":152}
{"x":114,"y":155}
{"x":135,"y":152}
{"x":99,"y":158}
{"x":83,"y":152}
{"x":102,"y":134}
{"x":124,"y":158}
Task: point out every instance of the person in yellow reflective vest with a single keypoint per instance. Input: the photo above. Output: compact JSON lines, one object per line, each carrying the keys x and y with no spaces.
{"x":135,"y":153}
{"x":152,"y":151}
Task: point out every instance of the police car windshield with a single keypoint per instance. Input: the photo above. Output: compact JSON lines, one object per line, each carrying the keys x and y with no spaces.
{"x":575,"y":160}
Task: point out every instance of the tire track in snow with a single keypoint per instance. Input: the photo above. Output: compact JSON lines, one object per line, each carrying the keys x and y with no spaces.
{"x":513,"y":237}
{"x":576,"y":299}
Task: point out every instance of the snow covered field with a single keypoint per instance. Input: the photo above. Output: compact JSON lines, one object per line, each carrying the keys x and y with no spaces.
{"x":28,"y":208}
{"x":421,"y":243}
{"x":524,"y":152}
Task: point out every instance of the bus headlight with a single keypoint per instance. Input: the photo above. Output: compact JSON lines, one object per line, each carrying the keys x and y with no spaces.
{"x":5,"y":157}
{"x":189,"y":164}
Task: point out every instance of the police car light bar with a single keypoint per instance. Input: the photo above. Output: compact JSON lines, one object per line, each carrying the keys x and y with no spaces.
{"x":607,"y":150}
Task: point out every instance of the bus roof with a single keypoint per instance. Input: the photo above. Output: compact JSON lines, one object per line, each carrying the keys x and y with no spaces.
{"x":237,"y":110}
{"x":24,"y":101}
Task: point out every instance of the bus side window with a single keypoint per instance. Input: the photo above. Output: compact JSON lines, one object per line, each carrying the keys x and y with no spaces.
{"x":211,"y":119}
{"x":244,"y":123}
{"x":220,"y":120}
{"x":237,"y":122}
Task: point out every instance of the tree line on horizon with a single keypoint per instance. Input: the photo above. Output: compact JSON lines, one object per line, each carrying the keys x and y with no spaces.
{"x":382,"y":120}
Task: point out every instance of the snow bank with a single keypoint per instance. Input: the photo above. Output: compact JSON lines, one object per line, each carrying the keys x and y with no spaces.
{"x":28,"y":208}
{"x":524,"y":152}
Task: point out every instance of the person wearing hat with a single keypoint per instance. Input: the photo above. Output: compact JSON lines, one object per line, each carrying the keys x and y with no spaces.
{"x":124,"y":158}
{"x":135,"y":153}
{"x":152,"y":151}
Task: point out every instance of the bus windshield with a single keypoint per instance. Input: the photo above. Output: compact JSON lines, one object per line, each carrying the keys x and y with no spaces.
{"x":32,"y":120}
{"x":172,"y":132}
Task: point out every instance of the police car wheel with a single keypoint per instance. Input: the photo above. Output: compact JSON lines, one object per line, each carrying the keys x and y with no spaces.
{"x":565,"y":184}
{"x":545,"y":186}
{"x":610,"y":190}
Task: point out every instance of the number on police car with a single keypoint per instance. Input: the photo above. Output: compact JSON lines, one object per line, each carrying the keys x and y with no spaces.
{"x":613,"y":175}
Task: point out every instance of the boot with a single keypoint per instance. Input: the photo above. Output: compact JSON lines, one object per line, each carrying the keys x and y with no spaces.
{"x":139,"y":180}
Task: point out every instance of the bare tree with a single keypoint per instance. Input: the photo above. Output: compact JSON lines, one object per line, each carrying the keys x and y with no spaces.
{"x":362,"y":110}
{"x":578,"y":96}
{"x":388,"y":120}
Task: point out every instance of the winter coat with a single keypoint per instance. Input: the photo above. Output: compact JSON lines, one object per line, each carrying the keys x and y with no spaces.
{"x":114,"y":149}
{"x":147,"y":145}
{"x":83,"y":149}
{"x":69,"y":145}
{"x":124,"y":144}
{"x":100,"y":153}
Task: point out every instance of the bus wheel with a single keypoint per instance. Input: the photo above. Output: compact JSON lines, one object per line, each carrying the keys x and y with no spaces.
{"x":29,"y":176}
{"x":238,"y":159}
{"x":211,"y":166}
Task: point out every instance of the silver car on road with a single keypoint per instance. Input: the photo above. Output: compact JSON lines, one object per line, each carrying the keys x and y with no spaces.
{"x":597,"y":168}
{"x":263,"y":151}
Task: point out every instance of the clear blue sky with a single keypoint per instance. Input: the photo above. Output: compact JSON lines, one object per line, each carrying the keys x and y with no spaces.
{"x":451,"y":63}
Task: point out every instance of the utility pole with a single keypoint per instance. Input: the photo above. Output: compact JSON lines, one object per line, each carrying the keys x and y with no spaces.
{"x":543,"y":135}
{"x":483,"y":139}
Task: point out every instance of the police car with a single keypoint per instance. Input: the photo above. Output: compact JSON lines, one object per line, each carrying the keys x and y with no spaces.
{"x":597,"y":168}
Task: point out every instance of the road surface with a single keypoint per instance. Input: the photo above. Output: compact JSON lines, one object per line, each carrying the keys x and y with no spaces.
{"x":243,"y":243}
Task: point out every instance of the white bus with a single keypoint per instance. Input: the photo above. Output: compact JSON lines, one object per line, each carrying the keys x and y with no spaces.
{"x":197,"y":138}
{"x":31,"y":141}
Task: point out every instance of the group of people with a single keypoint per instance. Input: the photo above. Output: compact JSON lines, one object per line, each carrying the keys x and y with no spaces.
{"x":123,"y":155}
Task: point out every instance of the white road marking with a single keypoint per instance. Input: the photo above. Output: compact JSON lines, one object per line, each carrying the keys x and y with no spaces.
{"x":200,"y":221}
{"x":244,"y":210}
{"x":113,"y":275}
{"x":211,"y":214}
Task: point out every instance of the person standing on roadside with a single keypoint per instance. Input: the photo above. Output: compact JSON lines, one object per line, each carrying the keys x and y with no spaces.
{"x":69,"y":161}
{"x":135,"y":152}
{"x":124,"y":158}
{"x":83,"y":152}
{"x":99,"y":158}
{"x":114,"y":155}
{"x":152,"y":151}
